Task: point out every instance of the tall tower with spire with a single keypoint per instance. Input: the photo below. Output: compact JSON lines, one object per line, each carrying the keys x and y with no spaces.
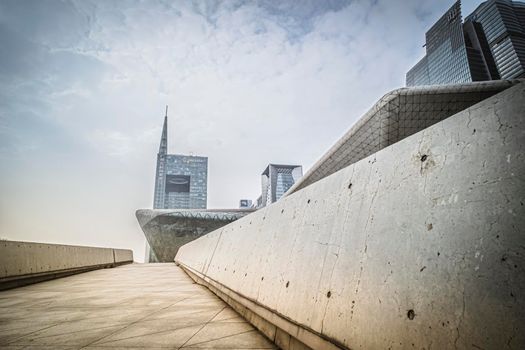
{"x":160,"y":174}
{"x":180,"y":181}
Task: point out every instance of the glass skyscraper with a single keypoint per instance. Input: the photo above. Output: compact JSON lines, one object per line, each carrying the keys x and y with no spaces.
{"x":502,"y":23}
{"x":276,"y":180}
{"x":181,"y":181}
{"x":489,"y":45}
{"x":446,"y":59}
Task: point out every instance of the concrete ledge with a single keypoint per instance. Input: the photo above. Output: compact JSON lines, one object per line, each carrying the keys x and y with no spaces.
{"x":24,"y":263}
{"x":397,"y":115}
{"x":419,"y":245}
{"x":284,"y":332}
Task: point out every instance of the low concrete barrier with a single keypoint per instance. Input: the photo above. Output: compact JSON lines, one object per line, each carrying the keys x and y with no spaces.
{"x":123,"y":256}
{"x":27,"y":262}
{"x":419,"y":245}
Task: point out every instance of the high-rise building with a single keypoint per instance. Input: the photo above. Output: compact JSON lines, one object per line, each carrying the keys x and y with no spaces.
{"x":489,"y":45}
{"x":446,"y":59}
{"x":245,"y":203}
{"x":501,"y":27}
{"x":276,"y":180}
{"x":180,"y":181}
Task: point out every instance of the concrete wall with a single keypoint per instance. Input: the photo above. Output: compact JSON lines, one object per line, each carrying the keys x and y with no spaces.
{"x":397,"y":115}
{"x":26,"y":260}
{"x":123,"y":255}
{"x":420,"y":245}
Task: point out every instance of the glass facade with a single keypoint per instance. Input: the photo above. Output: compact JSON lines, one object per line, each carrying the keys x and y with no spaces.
{"x":446,"y":59}
{"x":284,"y":182}
{"x":489,"y":45}
{"x":188,"y":186}
{"x":448,"y":66}
{"x":503,"y":23}
{"x":276,"y":180}
{"x":418,"y":75}
{"x":181,"y":181}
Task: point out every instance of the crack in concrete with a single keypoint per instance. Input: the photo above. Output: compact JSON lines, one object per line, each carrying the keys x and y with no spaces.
{"x":212,"y":255}
{"x":460,"y":321}
{"x":367,"y":235}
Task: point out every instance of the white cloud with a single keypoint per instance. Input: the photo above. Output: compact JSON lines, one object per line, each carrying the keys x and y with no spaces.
{"x":117,"y":144}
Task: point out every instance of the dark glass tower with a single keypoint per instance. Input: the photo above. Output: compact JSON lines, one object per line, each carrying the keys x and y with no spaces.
{"x":489,"y":45}
{"x":446,"y":59}
{"x":502,"y":23}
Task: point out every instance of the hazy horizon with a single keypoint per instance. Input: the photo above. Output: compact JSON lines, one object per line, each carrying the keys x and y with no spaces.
{"x":84,"y":85}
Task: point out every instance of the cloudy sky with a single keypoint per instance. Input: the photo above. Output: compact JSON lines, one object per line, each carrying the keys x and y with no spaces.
{"x":83,"y":85}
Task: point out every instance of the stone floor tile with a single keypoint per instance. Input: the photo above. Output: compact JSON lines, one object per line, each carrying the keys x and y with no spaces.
{"x":145,"y":337}
{"x":227,"y":314}
{"x":139,"y":306}
{"x":218,"y":330}
{"x":72,"y":338}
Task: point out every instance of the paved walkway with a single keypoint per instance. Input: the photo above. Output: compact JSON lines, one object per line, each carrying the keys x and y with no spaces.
{"x":134,"y":306}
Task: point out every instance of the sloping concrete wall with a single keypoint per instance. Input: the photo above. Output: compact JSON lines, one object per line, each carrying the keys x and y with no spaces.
{"x":397,"y":115}
{"x":30,"y":261}
{"x":420,"y":245}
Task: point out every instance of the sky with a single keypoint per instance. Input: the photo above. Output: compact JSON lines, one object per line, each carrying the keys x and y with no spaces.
{"x":84,"y":84}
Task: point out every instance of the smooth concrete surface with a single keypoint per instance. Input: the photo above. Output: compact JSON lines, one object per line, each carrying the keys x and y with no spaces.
{"x":419,"y":245}
{"x":122,"y":255}
{"x":24,"y":262}
{"x":139,"y":306}
{"x":167,"y":230}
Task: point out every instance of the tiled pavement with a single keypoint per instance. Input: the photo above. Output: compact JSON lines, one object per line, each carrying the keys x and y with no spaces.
{"x":133,"y":306}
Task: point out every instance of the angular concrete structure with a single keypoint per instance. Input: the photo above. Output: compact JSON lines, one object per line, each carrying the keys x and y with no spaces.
{"x":397,"y":115}
{"x":167,"y":230}
{"x":418,"y":245}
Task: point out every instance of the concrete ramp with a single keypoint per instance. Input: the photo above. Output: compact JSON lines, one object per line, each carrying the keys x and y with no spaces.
{"x":420,"y":245}
{"x":138,"y":307}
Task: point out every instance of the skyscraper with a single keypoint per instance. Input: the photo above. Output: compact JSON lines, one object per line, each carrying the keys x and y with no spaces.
{"x":446,"y":59}
{"x":501,"y":24}
{"x":180,"y":181}
{"x":489,"y":45}
{"x":276,"y":180}
{"x":245,"y":203}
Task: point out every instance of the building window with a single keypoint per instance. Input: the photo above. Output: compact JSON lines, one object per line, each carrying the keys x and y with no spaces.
{"x":177,"y":183}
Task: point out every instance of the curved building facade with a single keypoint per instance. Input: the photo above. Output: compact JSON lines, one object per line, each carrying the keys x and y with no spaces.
{"x":167,"y":230}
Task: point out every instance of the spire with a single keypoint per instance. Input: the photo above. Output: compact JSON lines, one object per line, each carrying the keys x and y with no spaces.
{"x":163,"y":149}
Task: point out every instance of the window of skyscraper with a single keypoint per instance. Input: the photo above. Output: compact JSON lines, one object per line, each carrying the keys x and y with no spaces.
{"x":177,"y":183}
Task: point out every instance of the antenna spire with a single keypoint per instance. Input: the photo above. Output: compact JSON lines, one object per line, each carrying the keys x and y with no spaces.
{"x":163,"y":148}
